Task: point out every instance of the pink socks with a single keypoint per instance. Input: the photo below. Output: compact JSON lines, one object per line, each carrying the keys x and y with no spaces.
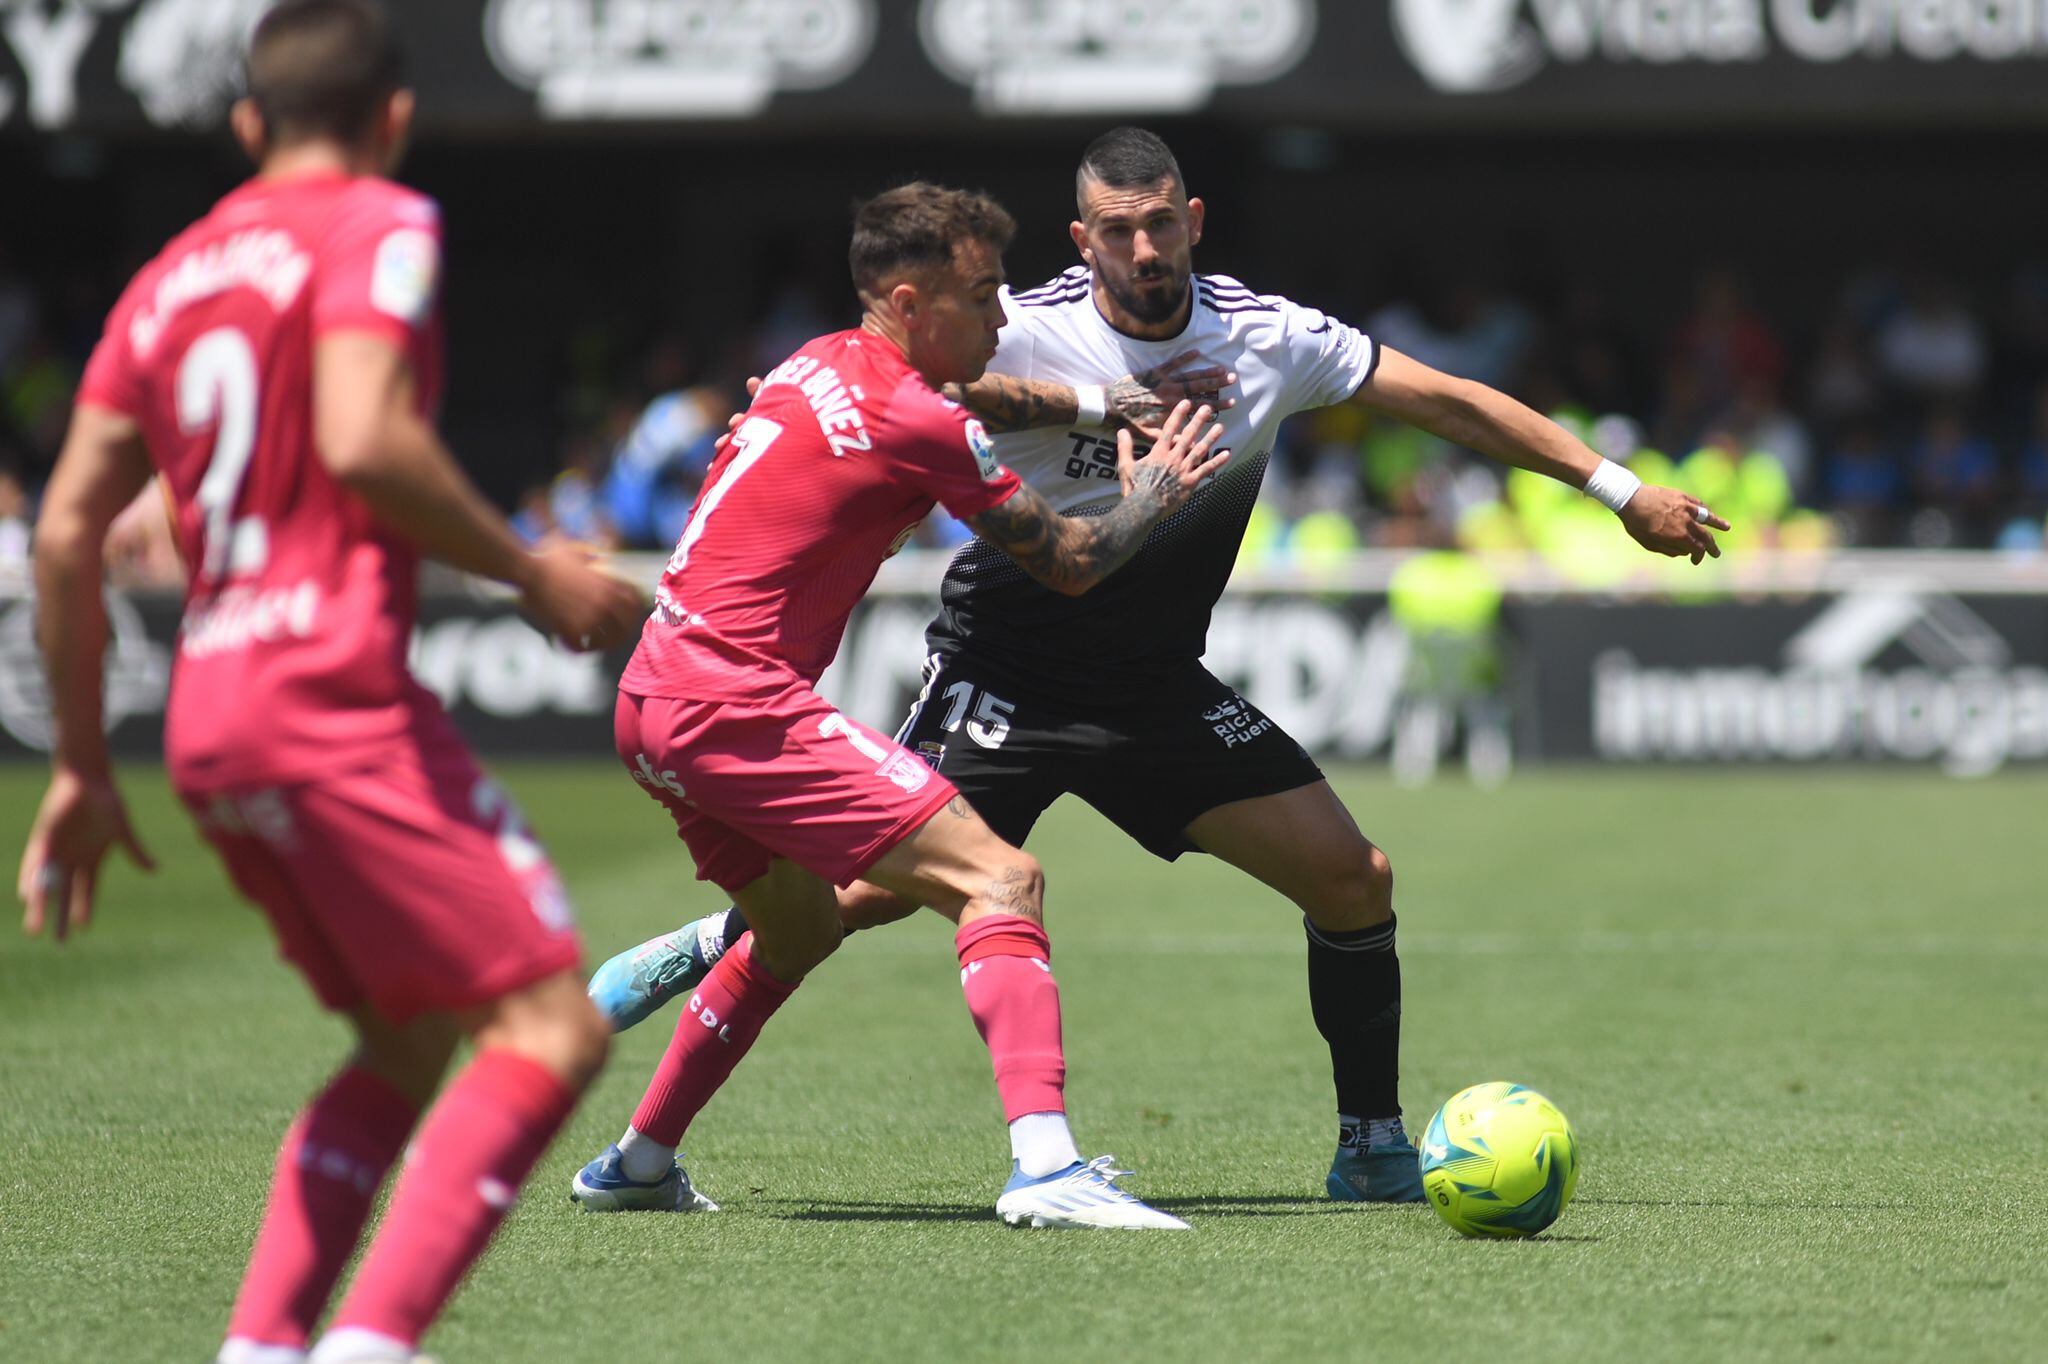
{"x":720,"y":1021}
{"x":1006,"y":976}
{"x":328,"y":1171}
{"x":476,"y":1148}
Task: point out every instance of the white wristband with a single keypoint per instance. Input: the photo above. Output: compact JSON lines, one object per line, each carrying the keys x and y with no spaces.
{"x":1612,"y":485}
{"x":1093,"y":401}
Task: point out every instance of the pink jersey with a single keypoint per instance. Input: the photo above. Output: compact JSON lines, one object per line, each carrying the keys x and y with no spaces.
{"x":843,"y":452}
{"x":299,"y":607}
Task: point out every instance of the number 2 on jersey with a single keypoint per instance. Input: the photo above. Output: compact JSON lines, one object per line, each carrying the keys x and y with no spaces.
{"x":217,"y":386}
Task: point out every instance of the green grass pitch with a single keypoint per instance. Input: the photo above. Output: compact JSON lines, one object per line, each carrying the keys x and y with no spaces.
{"x":1799,"y":1020}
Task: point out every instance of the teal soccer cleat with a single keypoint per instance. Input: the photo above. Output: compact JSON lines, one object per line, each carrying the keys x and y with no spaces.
{"x":636,"y":983}
{"x":602,"y":1186}
{"x":1376,"y":1174}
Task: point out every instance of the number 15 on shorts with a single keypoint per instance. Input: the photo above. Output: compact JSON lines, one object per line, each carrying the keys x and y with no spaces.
{"x":991,"y":722}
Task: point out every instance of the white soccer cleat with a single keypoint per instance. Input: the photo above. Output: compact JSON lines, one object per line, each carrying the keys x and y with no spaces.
{"x":1079,"y":1196}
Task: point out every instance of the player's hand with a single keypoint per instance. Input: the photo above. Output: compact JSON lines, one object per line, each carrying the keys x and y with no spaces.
{"x":1141,"y":402}
{"x":1671,"y":522}
{"x":1183,"y":458}
{"x":578,"y":601}
{"x":79,"y":821}
{"x":732,"y":423}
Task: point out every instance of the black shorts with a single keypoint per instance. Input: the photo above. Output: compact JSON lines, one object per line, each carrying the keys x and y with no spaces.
{"x":1151,"y":763}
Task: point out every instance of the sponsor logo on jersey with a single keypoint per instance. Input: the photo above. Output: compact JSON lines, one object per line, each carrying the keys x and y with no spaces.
{"x":1025,"y":57}
{"x":1093,"y":456}
{"x":247,"y":615}
{"x":602,"y":59}
{"x":402,"y":279}
{"x":1466,"y":47}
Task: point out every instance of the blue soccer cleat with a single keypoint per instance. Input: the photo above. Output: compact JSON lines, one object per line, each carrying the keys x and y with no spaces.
{"x":602,"y":1186}
{"x":1391,"y":1173}
{"x":637,"y":982}
{"x":1082,"y":1195}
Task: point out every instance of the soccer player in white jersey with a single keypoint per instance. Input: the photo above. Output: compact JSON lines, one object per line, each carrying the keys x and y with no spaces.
{"x":1029,"y":695}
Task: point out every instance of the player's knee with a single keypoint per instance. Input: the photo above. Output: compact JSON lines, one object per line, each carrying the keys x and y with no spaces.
{"x":1012,"y":882}
{"x":794,"y":950}
{"x":551,"y":1023}
{"x":1356,"y":892}
{"x":411,"y":1059}
{"x":584,"y":1042}
{"x":572,"y":1041}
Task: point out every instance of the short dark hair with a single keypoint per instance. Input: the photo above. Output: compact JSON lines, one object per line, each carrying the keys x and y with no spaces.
{"x":1125,"y":158}
{"x":323,"y":68}
{"x":916,"y":226}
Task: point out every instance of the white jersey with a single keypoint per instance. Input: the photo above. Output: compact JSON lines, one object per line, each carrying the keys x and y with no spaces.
{"x":1155,"y":609}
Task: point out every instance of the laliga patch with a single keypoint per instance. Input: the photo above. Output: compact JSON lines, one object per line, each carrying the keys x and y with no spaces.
{"x":402,"y":280}
{"x":984,"y":451}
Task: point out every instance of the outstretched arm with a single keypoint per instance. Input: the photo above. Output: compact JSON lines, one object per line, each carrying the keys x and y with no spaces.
{"x":103,"y":466}
{"x":1480,"y":418}
{"x":1071,"y":554}
{"x":1139,"y":402}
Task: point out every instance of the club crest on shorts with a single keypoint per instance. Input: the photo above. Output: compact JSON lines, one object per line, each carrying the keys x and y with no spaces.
{"x":932,"y":753}
{"x":906,"y":771}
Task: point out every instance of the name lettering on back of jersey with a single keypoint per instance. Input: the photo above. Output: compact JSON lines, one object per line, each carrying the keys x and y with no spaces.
{"x":264,"y":259}
{"x":839,"y":416}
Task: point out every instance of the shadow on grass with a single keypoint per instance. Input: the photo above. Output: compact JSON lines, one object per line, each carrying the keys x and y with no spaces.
{"x":1745,"y":1204}
{"x":813,"y":1210}
{"x":1216,"y":1205}
{"x":1255,"y":1205}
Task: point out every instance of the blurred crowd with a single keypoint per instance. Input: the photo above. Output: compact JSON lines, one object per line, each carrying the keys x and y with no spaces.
{"x":1914,"y":414}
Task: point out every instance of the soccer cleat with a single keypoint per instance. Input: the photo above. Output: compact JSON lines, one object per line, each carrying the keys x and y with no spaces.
{"x":355,"y":1345}
{"x":641,"y":979}
{"x":602,"y":1186}
{"x":1082,"y":1195}
{"x":1376,"y":1174}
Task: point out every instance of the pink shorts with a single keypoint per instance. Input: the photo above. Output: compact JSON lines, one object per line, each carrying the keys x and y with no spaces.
{"x":413,"y":886}
{"x":748,"y":782}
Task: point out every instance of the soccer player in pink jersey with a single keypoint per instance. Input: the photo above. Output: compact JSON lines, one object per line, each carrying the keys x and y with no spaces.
{"x":277,"y":365}
{"x":846,"y":447}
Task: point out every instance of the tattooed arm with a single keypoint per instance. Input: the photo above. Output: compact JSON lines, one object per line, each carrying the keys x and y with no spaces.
{"x":1071,"y":554}
{"x":1140,"y":401}
{"x":1006,"y":403}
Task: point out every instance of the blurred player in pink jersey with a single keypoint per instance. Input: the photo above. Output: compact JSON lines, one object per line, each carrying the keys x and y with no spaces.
{"x":277,"y":364}
{"x":846,"y":447}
